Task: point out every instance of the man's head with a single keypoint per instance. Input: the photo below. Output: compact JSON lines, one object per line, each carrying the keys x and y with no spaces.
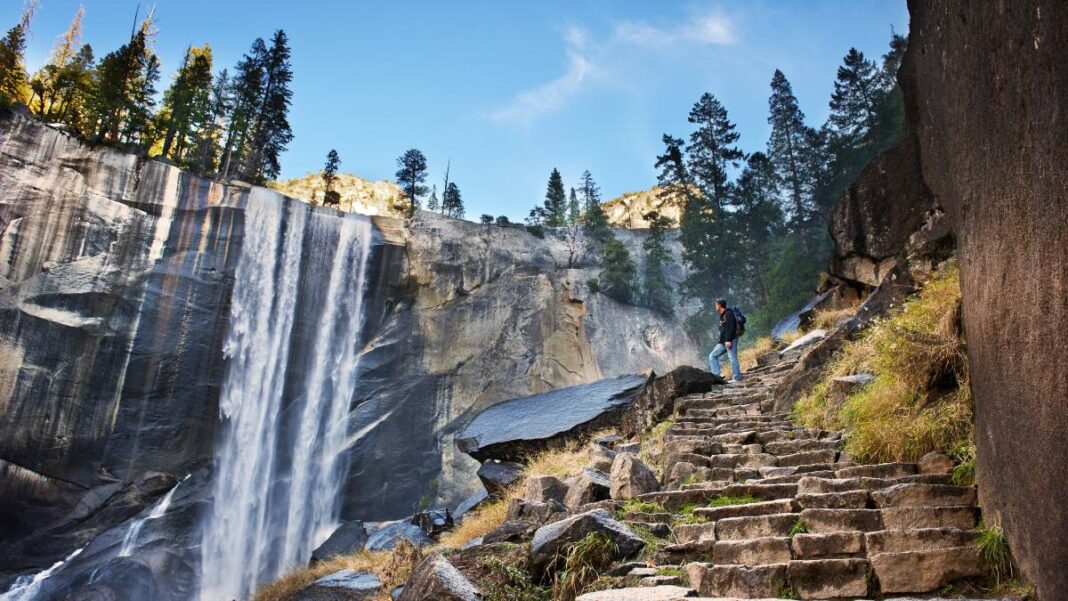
{"x":721,"y":305}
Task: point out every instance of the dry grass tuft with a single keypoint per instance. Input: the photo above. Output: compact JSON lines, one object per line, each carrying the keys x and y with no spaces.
{"x":829,"y":318}
{"x":391,"y":567}
{"x":480,"y":521}
{"x":747,"y":357}
{"x":920,"y":400}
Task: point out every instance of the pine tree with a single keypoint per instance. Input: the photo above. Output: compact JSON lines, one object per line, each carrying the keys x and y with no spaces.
{"x":411,"y":173}
{"x":619,"y":276}
{"x":270,"y":130}
{"x":573,"y":210}
{"x":452,"y":201}
{"x":555,"y":207}
{"x":124,"y":90}
{"x":708,"y":241}
{"x":186,"y":105}
{"x":854,"y":103}
{"x":656,"y":291}
{"x":760,"y":219}
{"x":49,"y":83}
{"x":790,"y":151}
{"x":432,"y":203}
{"x":892,"y":60}
{"x":331,"y":197}
{"x":13,"y":80}
{"x":594,"y":220}
{"x":248,"y":85}
{"x":673,"y":180}
{"x":209,"y":131}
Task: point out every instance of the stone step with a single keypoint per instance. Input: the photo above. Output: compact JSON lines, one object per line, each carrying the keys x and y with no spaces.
{"x":826,"y":485}
{"x":789,"y":447}
{"x":642,"y":517}
{"x":838,"y":520}
{"x":746,"y":509}
{"x":926,"y":571}
{"x":755,"y":526}
{"x":808,"y":458}
{"x":796,"y":477}
{"x":761,"y":491}
{"x":685,"y":533}
{"x":641,"y":593}
{"x":924,"y":495}
{"x":851,"y":499}
{"x":964,"y":517}
{"x":738,"y":460}
{"x":752,"y":552}
{"x":920,"y":539}
{"x":879,"y":470}
{"x":672,"y":500}
{"x":829,"y":578}
{"x":746,"y":582}
{"x":828,"y":545}
{"x":691,"y":550}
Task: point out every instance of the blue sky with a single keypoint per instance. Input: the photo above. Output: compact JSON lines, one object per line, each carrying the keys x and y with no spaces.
{"x":508,"y":90}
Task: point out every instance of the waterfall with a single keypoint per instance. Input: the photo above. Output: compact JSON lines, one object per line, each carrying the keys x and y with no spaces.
{"x":25,"y":587}
{"x":293,"y":349}
{"x":129,"y":540}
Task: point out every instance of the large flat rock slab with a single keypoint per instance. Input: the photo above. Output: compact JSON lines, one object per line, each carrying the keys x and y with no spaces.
{"x":513,"y":429}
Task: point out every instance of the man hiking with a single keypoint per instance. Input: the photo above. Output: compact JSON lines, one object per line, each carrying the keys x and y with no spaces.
{"x":728,"y":342}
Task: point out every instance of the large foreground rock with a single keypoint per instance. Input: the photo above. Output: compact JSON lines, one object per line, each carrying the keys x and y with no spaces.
{"x":989,"y":104}
{"x":656,"y":402}
{"x":630,"y":477}
{"x":514,"y":429}
{"x":348,"y":538}
{"x":550,"y":539}
{"x":345,"y":585}
{"x":435,"y":579}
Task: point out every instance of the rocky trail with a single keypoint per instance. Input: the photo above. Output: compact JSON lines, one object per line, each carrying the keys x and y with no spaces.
{"x":750,"y":505}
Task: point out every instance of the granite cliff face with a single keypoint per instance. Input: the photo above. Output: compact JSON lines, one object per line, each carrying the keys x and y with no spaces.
{"x":119,"y":284}
{"x":982,"y":169}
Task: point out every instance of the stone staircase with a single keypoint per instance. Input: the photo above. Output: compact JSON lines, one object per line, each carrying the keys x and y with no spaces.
{"x":755,"y":506}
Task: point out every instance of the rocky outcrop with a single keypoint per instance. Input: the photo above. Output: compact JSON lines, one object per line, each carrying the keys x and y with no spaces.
{"x":991,"y":83}
{"x":116,"y":284}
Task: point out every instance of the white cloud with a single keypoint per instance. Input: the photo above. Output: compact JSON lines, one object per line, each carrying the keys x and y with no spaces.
{"x":535,"y":102}
{"x":584,"y":54}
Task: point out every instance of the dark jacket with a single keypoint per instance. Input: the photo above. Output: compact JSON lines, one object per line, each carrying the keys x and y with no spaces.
{"x":728,"y":327}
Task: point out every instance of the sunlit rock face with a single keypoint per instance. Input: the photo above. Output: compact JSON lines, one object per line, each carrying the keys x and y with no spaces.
{"x":118,"y":281}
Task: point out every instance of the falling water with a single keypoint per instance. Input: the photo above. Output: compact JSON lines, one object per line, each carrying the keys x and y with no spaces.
{"x":129,"y":541}
{"x":25,"y":587}
{"x":279,"y":465}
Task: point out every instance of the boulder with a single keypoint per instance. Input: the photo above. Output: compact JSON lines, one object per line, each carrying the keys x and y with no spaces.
{"x":514,"y":429}
{"x":497,"y":475}
{"x":550,"y":539}
{"x":630,"y":477}
{"x":511,"y":531}
{"x":386,"y":534}
{"x":435,"y":579}
{"x":433,"y":521}
{"x":588,"y":486}
{"x":518,"y":509}
{"x":656,"y":401}
{"x":344,"y":585}
{"x":601,"y":457}
{"x":349,"y":537}
{"x":542,"y":489}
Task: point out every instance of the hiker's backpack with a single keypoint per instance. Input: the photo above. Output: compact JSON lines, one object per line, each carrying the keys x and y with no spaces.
{"x":739,"y":320}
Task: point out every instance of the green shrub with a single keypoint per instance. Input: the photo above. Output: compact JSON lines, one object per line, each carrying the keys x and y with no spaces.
{"x":799,"y":527}
{"x":994,"y":548}
{"x":742,"y":500}
{"x":579,"y":565}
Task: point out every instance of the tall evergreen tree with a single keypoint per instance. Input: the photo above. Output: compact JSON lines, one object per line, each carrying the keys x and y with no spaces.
{"x":620,"y":273}
{"x":854,"y":103}
{"x":432,"y":203}
{"x":124,"y":90}
{"x":208,"y":139}
{"x":331,"y":197}
{"x":656,"y":291}
{"x":248,"y":86}
{"x":411,"y":173}
{"x":760,"y":219}
{"x":555,"y":207}
{"x":13,"y":80}
{"x":452,"y":202}
{"x":270,"y":132}
{"x":50,"y":81}
{"x":790,"y":150}
{"x":187,"y":105}
{"x":573,"y":209}
{"x":594,"y":220}
{"x":708,"y":247}
{"x":672,"y":179}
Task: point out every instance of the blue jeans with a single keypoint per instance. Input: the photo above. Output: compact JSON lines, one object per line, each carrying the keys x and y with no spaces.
{"x":720,"y":350}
